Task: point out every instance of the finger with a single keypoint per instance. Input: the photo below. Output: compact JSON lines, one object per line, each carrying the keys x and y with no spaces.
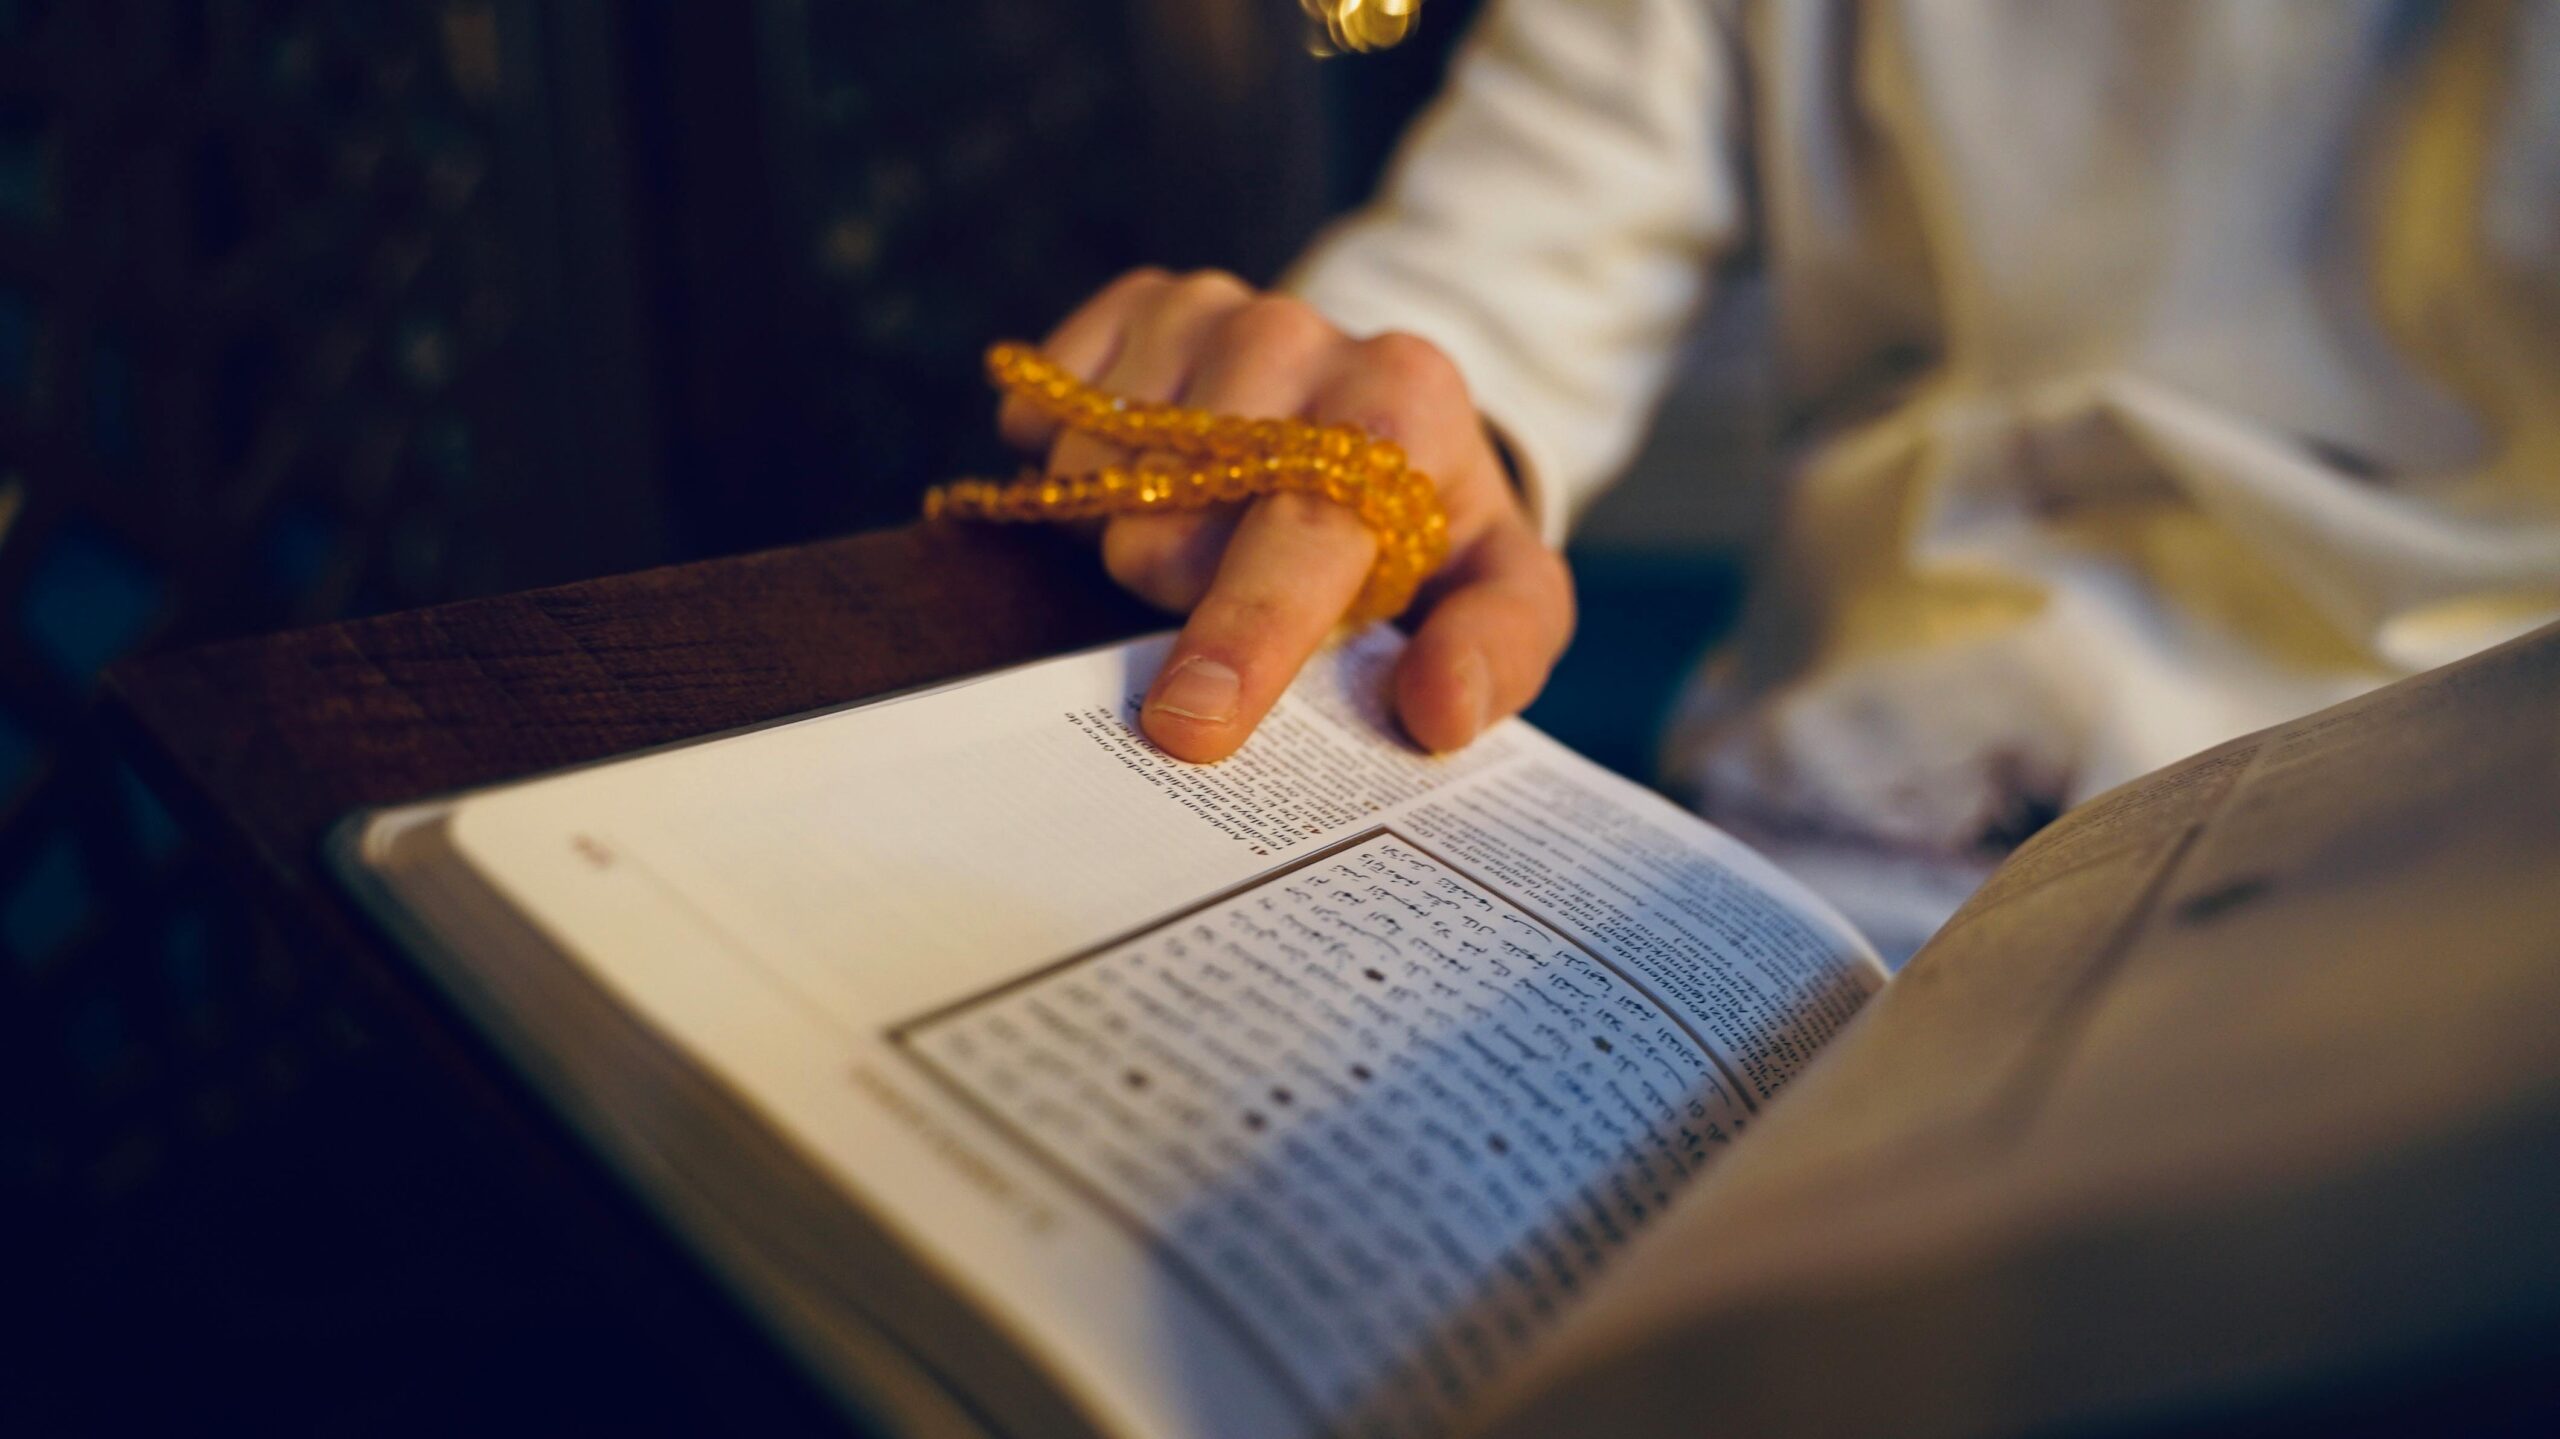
{"x":1168,"y":333}
{"x":1169,"y":560}
{"x":1085,"y":343}
{"x":1265,"y":359}
{"x":1401,"y":388}
{"x":1296,"y":563}
{"x":1261,"y":359}
{"x":1487,"y":646}
{"x":1164,"y":336}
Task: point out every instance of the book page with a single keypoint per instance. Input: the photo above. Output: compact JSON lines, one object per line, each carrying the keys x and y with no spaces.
{"x":1300,"y":1092}
{"x":2240,"y":1076}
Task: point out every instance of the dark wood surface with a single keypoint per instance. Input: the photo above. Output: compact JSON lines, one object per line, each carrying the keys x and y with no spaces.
{"x":264,"y":744}
{"x":274,"y":739}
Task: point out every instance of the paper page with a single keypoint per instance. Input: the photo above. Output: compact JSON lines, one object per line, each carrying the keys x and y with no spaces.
{"x":2240,"y":1076}
{"x":1300,"y":1091}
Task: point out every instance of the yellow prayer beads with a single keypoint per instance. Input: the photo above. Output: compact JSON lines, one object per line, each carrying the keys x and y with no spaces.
{"x":1216,"y":459}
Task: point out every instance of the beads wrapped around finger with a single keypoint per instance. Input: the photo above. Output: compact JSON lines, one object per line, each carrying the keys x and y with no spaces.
{"x":1217,"y":459}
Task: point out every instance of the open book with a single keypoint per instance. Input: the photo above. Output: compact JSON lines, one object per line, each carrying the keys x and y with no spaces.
{"x":1026,"y":1081}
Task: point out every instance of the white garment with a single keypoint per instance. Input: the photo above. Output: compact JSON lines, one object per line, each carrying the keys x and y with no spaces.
{"x":2164,"y":370}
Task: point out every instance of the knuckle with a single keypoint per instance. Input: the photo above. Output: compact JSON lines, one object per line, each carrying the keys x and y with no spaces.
{"x":1318,"y":515}
{"x":1247,"y":615}
{"x":1282,"y":323}
{"x":1213,"y":284}
{"x":1412,"y":364}
{"x":1144,"y":277}
{"x":1173,"y":307}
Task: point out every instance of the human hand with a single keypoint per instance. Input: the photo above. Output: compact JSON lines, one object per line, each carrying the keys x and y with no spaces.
{"x":1265,"y":582}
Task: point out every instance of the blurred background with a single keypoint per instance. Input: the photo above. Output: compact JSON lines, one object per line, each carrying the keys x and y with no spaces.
{"x":313,"y":310}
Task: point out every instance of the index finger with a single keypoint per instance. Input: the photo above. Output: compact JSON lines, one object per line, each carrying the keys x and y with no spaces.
{"x":1296,"y":563}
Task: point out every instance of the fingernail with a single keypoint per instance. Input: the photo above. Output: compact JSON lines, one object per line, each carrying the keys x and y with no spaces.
{"x":1198,"y":689}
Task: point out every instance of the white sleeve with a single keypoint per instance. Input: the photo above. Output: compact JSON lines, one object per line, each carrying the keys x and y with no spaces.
{"x":1550,"y":222}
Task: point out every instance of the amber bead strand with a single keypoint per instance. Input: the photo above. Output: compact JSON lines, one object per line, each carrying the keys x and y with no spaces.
{"x":1219,"y":459}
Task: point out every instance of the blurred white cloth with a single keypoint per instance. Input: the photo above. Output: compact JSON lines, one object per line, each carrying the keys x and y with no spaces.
{"x":2159,"y":370}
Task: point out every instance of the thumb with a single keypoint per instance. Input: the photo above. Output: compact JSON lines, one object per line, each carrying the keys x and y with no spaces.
{"x":1490,"y":641}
